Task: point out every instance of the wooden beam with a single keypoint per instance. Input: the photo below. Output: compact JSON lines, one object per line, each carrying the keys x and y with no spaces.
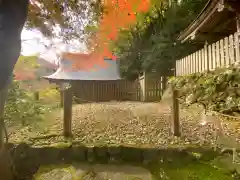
{"x":67,"y":112}
{"x":238,"y":23}
{"x":214,"y":34}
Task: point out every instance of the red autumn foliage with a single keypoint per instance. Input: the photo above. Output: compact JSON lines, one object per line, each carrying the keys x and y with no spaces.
{"x":120,"y":14}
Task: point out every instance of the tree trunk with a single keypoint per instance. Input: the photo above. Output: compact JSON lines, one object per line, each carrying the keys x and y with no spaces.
{"x":5,"y":165}
{"x":14,"y":11}
{"x":13,"y":14}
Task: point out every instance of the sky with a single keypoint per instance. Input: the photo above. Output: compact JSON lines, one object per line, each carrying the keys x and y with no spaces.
{"x":33,"y":42}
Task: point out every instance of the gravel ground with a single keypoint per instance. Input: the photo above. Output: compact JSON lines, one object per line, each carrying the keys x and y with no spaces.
{"x":129,"y":123}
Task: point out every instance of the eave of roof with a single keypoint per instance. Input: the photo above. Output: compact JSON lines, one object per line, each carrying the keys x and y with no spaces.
{"x":110,"y":72}
{"x":207,"y":12}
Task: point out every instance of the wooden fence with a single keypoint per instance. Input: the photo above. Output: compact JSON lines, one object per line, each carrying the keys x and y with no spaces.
{"x":96,"y":91}
{"x":143,"y":89}
{"x":223,"y":53}
{"x":150,"y":88}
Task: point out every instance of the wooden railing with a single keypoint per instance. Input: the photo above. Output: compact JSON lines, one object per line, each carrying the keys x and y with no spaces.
{"x":223,"y":53}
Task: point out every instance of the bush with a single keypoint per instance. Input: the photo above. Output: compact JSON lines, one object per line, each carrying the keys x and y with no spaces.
{"x":21,"y":107}
{"x":217,"y":91}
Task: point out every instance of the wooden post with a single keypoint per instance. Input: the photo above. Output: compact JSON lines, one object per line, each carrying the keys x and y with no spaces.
{"x":67,"y":112}
{"x":61,"y":98}
{"x":36,"y":96}
{"x":145,"y":87}
{"x":175,"y":113}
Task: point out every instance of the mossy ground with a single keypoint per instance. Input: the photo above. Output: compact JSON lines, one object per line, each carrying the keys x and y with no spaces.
{"x":192,"y":164}
{"x":189,"y":163}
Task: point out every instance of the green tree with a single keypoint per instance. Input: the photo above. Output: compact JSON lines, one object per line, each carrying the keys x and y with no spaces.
{"x":151,"y":43}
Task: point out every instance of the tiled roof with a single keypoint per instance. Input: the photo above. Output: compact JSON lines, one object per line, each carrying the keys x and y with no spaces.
{"x":97,"y":72}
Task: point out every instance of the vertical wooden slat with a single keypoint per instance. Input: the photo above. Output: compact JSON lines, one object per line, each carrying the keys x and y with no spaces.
{"x":187,"y":67}
{"x":184,"y":70}
{"x":231,"y":50}
{"x":181,"y":67}
{"x":177,"y":68}
{"x":222,"y":56}
{"x":226,"y":48}
{"x":206,"y":58}
{"x":236,"y":40}
{"x":194,"y":63}
{"x":187,"y":61}
{"x":200,"y":61}
{"x":184,"y":66}
{"x":203,"y":60}
{"x":191,"y":63}
{"x":210,"y":57}
{"x":217,"y":54}
{"x":213,"y":56}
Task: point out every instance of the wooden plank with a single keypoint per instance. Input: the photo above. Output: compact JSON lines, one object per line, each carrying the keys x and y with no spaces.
{"x":217,"y":54}
{"x":200,"y":60}
{"x":237,"y":48}
{"x":177,"y":68}
{"x":203,"y":60}
{"x":180,"y":67}
{"x":182,"y":60}
{"x":194,"y":63}
{"x":206,"y":67}
{"x":186,"y":62}
{"x":213,"y":56}
{"x":196,"y":60}
{"x":184,"y":66}
{"x":231,"y":50}
{"x":210,"y":67}
{"x":226,"y":49}
{"x":181,"y":63}
{"x":191,"y":64}
{"x":222,"y":55}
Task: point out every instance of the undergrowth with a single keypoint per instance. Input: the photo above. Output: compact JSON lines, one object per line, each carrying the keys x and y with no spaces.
{"x":21,"y":107}
{"x":218,"y":90}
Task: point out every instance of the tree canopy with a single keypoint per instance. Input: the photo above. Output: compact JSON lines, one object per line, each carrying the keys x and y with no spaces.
{"x":151,"y":42}
{"x":65,"y":18}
